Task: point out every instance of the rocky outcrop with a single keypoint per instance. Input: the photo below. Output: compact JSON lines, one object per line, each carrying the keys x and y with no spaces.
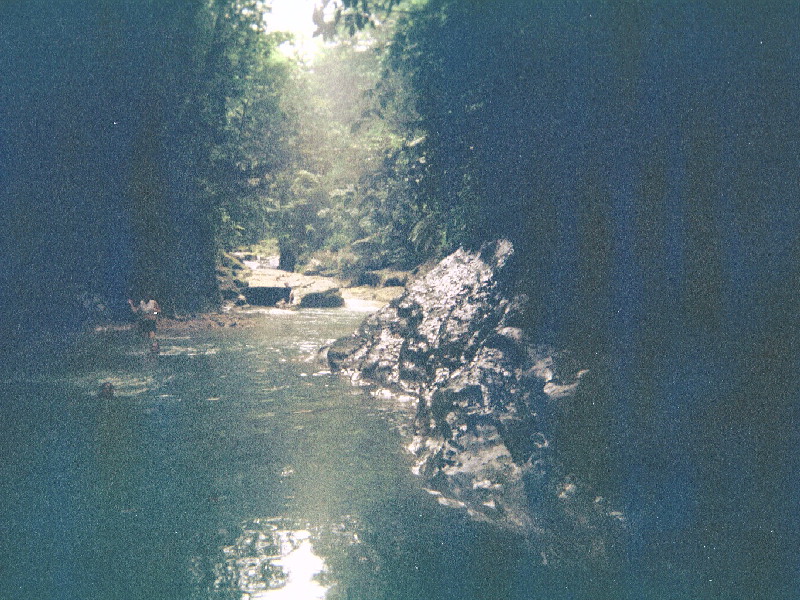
{"x":268,"y":286}
{"x":328,"y":298}
{"x":264,"y":295}
{"x":484,"y":394}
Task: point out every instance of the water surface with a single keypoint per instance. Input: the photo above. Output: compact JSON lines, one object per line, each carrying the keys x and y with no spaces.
{"x":233,"y":465}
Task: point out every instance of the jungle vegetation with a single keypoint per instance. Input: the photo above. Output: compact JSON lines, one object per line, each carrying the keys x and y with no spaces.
{"x":642,"y":156}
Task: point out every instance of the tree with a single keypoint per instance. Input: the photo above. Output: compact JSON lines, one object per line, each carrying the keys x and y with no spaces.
{"x":639,"y":155}
{"x":346,"y":146}
{"x":131,"y":129}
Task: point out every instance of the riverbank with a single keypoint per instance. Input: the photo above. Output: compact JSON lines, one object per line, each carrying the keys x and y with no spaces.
{"x":366,"y":299}
{"x":266,"y":285}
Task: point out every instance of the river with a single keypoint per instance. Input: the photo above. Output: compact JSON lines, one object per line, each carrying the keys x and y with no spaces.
{"x":232,"y":465}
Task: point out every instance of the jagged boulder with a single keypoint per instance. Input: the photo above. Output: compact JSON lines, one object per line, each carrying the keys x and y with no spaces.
{"x":484,"y":397}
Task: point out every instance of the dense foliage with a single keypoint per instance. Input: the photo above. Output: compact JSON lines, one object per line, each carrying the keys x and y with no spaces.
{"x":340,"y":197}
{"x":132,"y":133}
{"x":641,"y":156}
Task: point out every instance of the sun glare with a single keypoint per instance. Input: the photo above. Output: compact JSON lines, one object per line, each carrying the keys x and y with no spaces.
{"x":295,"y":17}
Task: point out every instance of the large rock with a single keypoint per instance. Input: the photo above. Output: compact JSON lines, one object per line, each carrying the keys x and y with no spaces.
{"x":328,"y":298}
{"x":484,"y":397}
{"x":269,"y":286}
{"x":263,"y":295}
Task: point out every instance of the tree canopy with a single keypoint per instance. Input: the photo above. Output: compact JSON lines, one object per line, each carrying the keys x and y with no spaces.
{"x":127,"y":129}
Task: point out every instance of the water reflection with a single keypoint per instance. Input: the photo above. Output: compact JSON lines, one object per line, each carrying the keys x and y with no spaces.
{"x":157,"y":492}
{"x":270,"y":560}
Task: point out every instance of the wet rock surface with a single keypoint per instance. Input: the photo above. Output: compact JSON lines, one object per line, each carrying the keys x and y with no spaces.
{"x":485,"y":397}
{"x":269,"y":286}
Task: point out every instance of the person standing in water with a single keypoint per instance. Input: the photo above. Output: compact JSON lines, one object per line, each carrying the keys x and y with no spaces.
{"x":147,"y":311}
